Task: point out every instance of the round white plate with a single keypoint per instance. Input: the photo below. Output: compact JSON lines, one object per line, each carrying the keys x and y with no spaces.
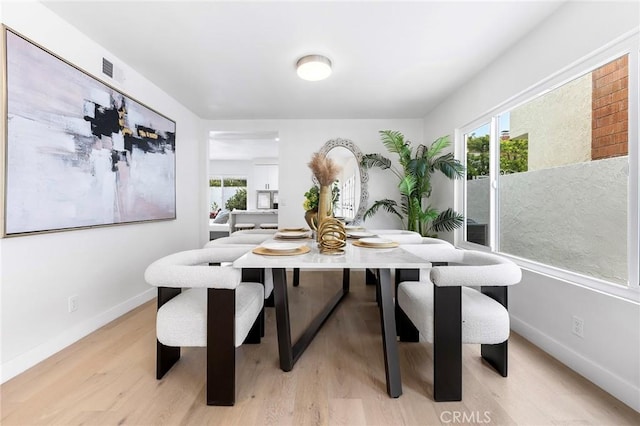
{"x":282,"y":247}
{"x":353,"y":227}
{"x":291,"y":234}
{"x":375,"y":241}
{"x":360,"y":234}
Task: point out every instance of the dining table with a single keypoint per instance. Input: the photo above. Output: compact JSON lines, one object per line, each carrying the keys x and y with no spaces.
{"x":382,"y":258}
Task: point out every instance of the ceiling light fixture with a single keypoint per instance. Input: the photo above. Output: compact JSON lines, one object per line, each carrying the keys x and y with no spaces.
{"x":314,"y":67}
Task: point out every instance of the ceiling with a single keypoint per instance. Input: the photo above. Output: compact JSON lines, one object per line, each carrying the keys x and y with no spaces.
{"x":236,"y":59}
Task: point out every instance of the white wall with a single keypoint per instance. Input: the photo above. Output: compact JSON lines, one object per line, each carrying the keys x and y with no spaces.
{"x":541,"y":306}
{"x":299,"y":139}
{"x":558,"y":125}
{"x":103,"y":266}
{"x":230,"y":168}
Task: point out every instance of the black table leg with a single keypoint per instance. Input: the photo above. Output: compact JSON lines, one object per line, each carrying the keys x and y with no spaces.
{"x":289,"y":353}
{"x":389,"y":342}
{"x":370,"y":277}
{"x":296,"y":277}
{"x":283,"y":323}
{"x":346,"y":280}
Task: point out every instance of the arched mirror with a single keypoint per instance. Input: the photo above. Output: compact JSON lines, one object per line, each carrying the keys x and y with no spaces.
{"x":352,"y":179}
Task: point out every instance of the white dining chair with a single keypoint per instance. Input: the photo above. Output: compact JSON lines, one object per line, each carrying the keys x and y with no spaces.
{"x":256,"y":231}
{"x":426,"y":247}
{"x":399,"y":236}
{"x":432,"y":240}
{"x":242,"y":238}
{"x":205,"y":306}
{"x":249,"y":242}
{"x":447,"y":310}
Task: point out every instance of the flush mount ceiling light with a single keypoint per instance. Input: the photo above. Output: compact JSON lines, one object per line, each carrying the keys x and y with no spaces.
{"x":314,"y":67}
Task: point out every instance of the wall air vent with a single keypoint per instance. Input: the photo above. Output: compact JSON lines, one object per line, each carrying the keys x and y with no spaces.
{"x":107,"y":68}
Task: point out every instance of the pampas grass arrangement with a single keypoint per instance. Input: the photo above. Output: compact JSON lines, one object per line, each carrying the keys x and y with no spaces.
{"x":324,"y":169}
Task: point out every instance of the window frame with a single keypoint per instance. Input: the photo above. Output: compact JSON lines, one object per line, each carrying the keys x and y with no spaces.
{"x":627,"y":44}
{"x":222,"y":178}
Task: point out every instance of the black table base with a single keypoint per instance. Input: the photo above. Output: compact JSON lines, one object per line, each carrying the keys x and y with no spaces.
{"x":289,"y":353}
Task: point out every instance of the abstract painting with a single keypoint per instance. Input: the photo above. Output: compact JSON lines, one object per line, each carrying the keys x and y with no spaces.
{"x":79,"y":153}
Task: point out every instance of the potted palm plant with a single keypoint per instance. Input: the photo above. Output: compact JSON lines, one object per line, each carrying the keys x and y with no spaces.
{"x":415,"y":182}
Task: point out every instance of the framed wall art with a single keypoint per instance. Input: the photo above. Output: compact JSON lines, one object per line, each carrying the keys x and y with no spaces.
{"x":79,"y":153}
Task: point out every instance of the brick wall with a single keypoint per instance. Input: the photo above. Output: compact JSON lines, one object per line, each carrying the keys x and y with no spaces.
{"x":610,"y":100}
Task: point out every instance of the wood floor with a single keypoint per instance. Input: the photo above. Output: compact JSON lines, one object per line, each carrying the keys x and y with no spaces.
{"x":108,"y":378}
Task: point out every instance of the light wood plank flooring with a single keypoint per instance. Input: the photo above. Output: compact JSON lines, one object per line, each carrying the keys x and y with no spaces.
{"x":108,"y":378}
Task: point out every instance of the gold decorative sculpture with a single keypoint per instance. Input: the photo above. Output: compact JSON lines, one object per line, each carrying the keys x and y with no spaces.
{"x":326,"y":171}
{"x":332,"y":236}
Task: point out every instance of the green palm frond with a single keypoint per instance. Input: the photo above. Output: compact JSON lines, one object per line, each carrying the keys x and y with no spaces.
{"x":414,"y":175}
{"x":448,"y":220}
{"x":425,"y":187}
{"x":418,"y":167}
{"x":387,"y":205}
{"x":426,"y":216}
{"x":404,"y":205}
{"x":405,"y":156}
{"x":408,"y":185}
{"x":413,"y":218}
{"x":449,"y":166}
{"x":437,"y":146}
{"x":375,"y":160}
{"x":429,"y":214}
{"x":393,"y":141}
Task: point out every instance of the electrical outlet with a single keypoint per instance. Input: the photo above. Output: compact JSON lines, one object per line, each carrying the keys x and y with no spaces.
{"x":73,"y":303}
{"x":577,"y":326}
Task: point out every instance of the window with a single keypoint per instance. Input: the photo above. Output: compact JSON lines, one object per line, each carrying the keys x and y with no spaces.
{"x":552,"y":180}
{"x":222,"y":189}
{"x":478,"y":199}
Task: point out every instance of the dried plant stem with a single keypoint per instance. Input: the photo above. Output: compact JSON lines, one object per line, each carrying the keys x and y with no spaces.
{"x":324,"y":169}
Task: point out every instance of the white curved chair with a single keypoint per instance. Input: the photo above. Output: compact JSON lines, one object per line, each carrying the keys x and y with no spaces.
{"x":269,"y":232}
{"x":249,"y":242}
{"x":217,"y":311}
{"x":447,"y":312}
{"x":437,"y":253}
{"x":431,"y":240}
{"x":426,"y":247}
{"x":400,"y":236}
{"x":241,"y":238}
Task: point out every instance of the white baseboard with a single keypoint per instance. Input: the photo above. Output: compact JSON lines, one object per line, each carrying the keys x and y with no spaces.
{"x":605,"y":379}
{"x":21,"y":363}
